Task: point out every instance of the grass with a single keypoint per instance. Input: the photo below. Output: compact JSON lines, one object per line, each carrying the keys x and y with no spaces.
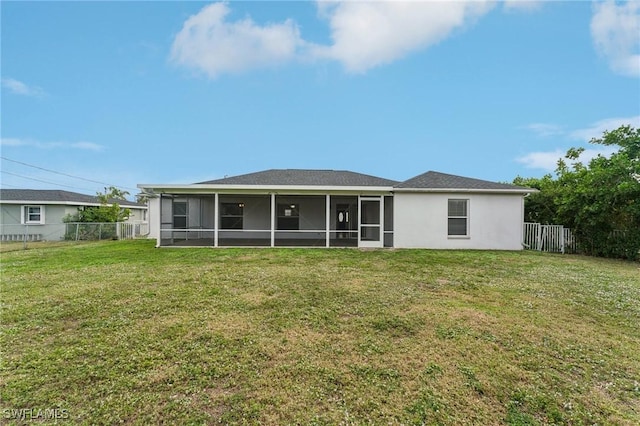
{"x":120,"y":332}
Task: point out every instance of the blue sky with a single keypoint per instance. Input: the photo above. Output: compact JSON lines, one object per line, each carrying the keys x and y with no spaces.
{"x":122,"y":93}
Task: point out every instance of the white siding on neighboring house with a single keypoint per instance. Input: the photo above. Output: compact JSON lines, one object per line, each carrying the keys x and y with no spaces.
{"x":136,"y":214}
{"x":494,"y":221}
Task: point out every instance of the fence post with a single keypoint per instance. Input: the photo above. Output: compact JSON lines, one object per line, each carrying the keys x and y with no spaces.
{"x":562,"y":239}
{"x":539,"y":237}
{"x":77,"y":230}
{"x":118,"y":230}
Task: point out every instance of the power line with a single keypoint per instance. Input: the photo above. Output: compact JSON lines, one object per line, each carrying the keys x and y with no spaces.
{"x":65,"y":174}
{"x":44,"y":181}
{"x":8,"y":184}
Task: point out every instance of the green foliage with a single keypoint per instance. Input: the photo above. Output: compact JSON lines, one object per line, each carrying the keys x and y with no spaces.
{"x":539,"y":206}
{"x":108,"y":211}
{"x":600,"y":200}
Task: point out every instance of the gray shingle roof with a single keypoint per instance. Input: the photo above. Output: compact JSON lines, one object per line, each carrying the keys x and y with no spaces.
{"x":436,"y":180}
{"x":301,"y":177}
{"x":55,"y":196}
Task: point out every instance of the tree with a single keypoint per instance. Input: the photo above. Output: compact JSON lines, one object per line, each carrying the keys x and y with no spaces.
{"x":540,"y":207}
{"x":600,"y":200}
{"x":108,"y":211}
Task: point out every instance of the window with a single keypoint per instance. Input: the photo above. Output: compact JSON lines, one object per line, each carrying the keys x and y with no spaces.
{"x":179,"y":215}
{"x":32,"y":215}
{"x":288,"y":217}
{"x":458,"y":218}
{"x":231,"y":215}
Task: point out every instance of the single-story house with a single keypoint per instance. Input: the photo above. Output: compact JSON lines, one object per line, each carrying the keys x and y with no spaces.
{"x":37,"y":214}
{"x":329,"y":208}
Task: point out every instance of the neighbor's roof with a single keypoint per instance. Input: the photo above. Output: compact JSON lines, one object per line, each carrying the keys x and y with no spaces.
{"x":286,"y":177}
{"x":55,"y":196}
{"x":436,"y":180}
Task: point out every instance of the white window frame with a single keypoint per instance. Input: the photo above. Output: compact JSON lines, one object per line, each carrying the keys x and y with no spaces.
{"x":24,"y":215}
{"x":467,"y":234}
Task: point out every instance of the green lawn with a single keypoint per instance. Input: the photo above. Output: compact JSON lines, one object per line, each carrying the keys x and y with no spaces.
{"x":116,"y":332}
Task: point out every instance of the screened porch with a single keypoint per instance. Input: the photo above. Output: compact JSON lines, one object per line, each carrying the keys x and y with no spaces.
{"x":276,"y":220}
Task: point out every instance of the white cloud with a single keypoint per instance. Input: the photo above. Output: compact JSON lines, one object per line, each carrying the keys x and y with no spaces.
{"x":15,"y":142}
{"x":545,"y":129}
{"x":20,"y":88}
{"x":210,"y":44}
{"x":522,"y":5}
{"x":615,"y":29}
{"x":596,"y":129}
{"x":589,"y":154}
{"x":548,"y":160}
{"x":364,"y":34}
{"x":12,"y":142}
{"x":89,"y":146}
{"x":542,"y":160}
{"x":369,"y":34}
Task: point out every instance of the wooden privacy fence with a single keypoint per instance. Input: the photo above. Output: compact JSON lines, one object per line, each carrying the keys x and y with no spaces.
{"x":549,"y":238}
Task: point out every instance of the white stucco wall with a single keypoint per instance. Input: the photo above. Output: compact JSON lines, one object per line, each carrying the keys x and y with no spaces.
{"x":153,"y":216}
{"x":495,"y":221}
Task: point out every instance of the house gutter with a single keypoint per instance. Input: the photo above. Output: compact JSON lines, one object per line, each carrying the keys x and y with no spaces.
{"x":523,"y":191}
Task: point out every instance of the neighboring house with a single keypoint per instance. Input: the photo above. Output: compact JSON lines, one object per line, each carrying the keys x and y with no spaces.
{"x":330,"y":208}
{"x":38,"y":214}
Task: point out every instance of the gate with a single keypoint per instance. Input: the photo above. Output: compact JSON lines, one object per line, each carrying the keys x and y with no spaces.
{"x":549,"y":238}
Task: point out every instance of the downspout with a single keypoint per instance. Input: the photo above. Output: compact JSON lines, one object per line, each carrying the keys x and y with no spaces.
{"x":159,"y":228}
{"x":526,"y":246}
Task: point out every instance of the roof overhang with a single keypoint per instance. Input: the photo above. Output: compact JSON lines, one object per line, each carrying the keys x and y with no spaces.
{"x":201,"y":189}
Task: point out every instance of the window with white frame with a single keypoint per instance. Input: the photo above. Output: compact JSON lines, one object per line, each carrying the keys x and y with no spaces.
{"x":32,"y":215}
{"x":458,"y":218}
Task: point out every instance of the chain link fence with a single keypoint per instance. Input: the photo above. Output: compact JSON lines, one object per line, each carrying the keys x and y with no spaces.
{"x":76,"y":231}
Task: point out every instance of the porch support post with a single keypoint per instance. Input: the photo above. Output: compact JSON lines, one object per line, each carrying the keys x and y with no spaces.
{"x":328,"y":219}
{"x":216,"y":219}
{"x":359,"y":218}
{"x":159,"y":228}
{"x":382,"y":220}
{"x":273,"y":220}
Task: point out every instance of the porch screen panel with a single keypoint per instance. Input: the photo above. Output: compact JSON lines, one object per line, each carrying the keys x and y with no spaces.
{"x":166,"y":208}
{"x":288,"y":216}
{"x":179,"y":215}
{"x":231,"y":215}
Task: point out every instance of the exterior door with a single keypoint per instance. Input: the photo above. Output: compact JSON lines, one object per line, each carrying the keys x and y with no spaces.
{"x":370,"y":221}
{"x":344,"y":221}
